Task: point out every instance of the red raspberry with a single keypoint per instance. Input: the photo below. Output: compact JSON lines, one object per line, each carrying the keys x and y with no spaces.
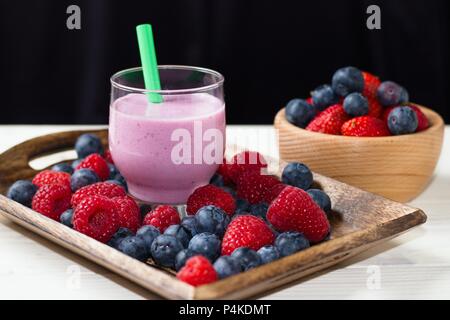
{"x":246,"y":231}
{"x":309,"y":100}
{"x":244,"y":161}
{"x":108,"y":157}
{"x":371,"y":84}
{"x":295,"y":210}
{"x":329,"y":120}
{"x":197,"y":271}
{"x":273,"y":192}
{"x":385,"y":114}
{"x":223,"y":171}
{"x":421,"y":117}
{"x":365,"y":126}
{"x":96,"y":163}
{"x":210,"y":195}
{"x":96,"y":217}
{"x":51,"y":200}
{"x":375,"y":108}
{"x":252,"y":186}
{"x":51,"y":177}
{"x":128,"y":213}
{"x":162,"y":217}
{"x":106,"y":189}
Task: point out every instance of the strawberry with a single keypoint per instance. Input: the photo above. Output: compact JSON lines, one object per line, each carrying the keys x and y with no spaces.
{"x":371,"y":84}
{"x":246,"y":231}
{"x":244,"y":161}
{"x":273,"y":192}
{"x":365,"y":126}
{"x":253,"y":186}
{"x":294,"y":210}
{"x":375,"y":108}
{"x":421,"y":117}
{"x":329,"y":121}
{"x":210,"y":195}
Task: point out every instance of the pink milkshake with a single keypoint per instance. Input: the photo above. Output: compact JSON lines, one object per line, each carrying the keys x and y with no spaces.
{"x":166,"y":150}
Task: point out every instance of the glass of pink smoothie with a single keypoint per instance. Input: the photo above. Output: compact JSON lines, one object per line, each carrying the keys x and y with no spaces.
{"x":166,"y":150}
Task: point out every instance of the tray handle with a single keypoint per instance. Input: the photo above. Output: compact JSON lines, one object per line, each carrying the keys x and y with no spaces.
{"x":14,"y":162}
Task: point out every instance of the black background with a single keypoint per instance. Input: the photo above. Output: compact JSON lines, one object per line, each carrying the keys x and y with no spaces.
{"x":269,"y":51}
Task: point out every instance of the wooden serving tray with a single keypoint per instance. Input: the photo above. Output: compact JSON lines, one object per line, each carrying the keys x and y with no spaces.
{"x":360,"y":220}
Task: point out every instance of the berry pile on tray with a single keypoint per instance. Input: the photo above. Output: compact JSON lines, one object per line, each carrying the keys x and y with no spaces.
{"x":357,"y":103}
{"x":242,"y":219}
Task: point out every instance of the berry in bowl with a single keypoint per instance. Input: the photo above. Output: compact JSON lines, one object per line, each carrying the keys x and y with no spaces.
{"x":364,"y":132}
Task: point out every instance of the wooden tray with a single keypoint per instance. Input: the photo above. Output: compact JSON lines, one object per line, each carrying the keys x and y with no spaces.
{"x":360,"y":220}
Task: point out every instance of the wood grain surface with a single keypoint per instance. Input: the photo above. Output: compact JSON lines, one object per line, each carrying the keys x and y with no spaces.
{"x":397,"y":167}
{"x":360,"y":220}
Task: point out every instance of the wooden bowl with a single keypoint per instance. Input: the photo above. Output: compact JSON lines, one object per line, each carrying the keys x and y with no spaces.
{"x":396,"y":167}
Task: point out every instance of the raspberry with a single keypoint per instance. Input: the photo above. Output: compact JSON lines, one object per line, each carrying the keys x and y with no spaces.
{"x":371,"y":84}
{"x":128,"y":213}
{"x":246,"y":231}
{"x":329,"y":121}
{"x":51,"y":177}
{"x":243,"y":161}
{"x":162,"y":217}
{"x":197,"y":271}
{"x":252,"y":186}
{"x":210,"y":195}
{"x":224,"y":172}
{"x":108,"y":157}
{"x":96,"y":163}
{"x":106,"y":189}
{"x":295,"y":210}
{"x":273,"y":192}
{"x":96,"y":217}
{"x":52,"y":200}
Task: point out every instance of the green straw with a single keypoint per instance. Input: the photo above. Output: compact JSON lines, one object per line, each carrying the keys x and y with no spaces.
{"x":148,"y":60}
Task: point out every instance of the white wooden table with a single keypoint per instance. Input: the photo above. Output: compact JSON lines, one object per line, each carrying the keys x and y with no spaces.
{"x":413,"y":266}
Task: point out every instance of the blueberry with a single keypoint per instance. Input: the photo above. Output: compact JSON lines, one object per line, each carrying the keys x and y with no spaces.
{"x":113,"y":171}
{"x":347,"y":80}
{"x":63,"y":167}
{"x":22,"y":191}
{"x":242,"y":206}
{"x":66,"y":218}
{"x":117,"y":238}
{"x":230,"y":191}
{"x":164,"y":249}
{"x":212,"y":219}
{"x":268,"y":254}
{"x":323,"y":97}
{"x":321,"y":198}
{"x":134,"y":247}
{"x":180,"y":233}
{"x":355,"y":105}
{"x":190,"y":224}
{"x":87,"y":144}
{"x":259,"y":210}
{"x":298,"y":175}
{"x":390,"y":93}
{"x":206,"y":244}
{"x":120,"y":180}
{"x":290,"y":242}
{"x":148,"y":233}
{"x":226,"y":266}
{"x":81,"y":178}
{"x":402,"y":120}
{"x":182,"y":257}
{"x":248,"y":258}
{"x":217,"y":180}
{"x":75,"y":163}
{"x":299,"y":112}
